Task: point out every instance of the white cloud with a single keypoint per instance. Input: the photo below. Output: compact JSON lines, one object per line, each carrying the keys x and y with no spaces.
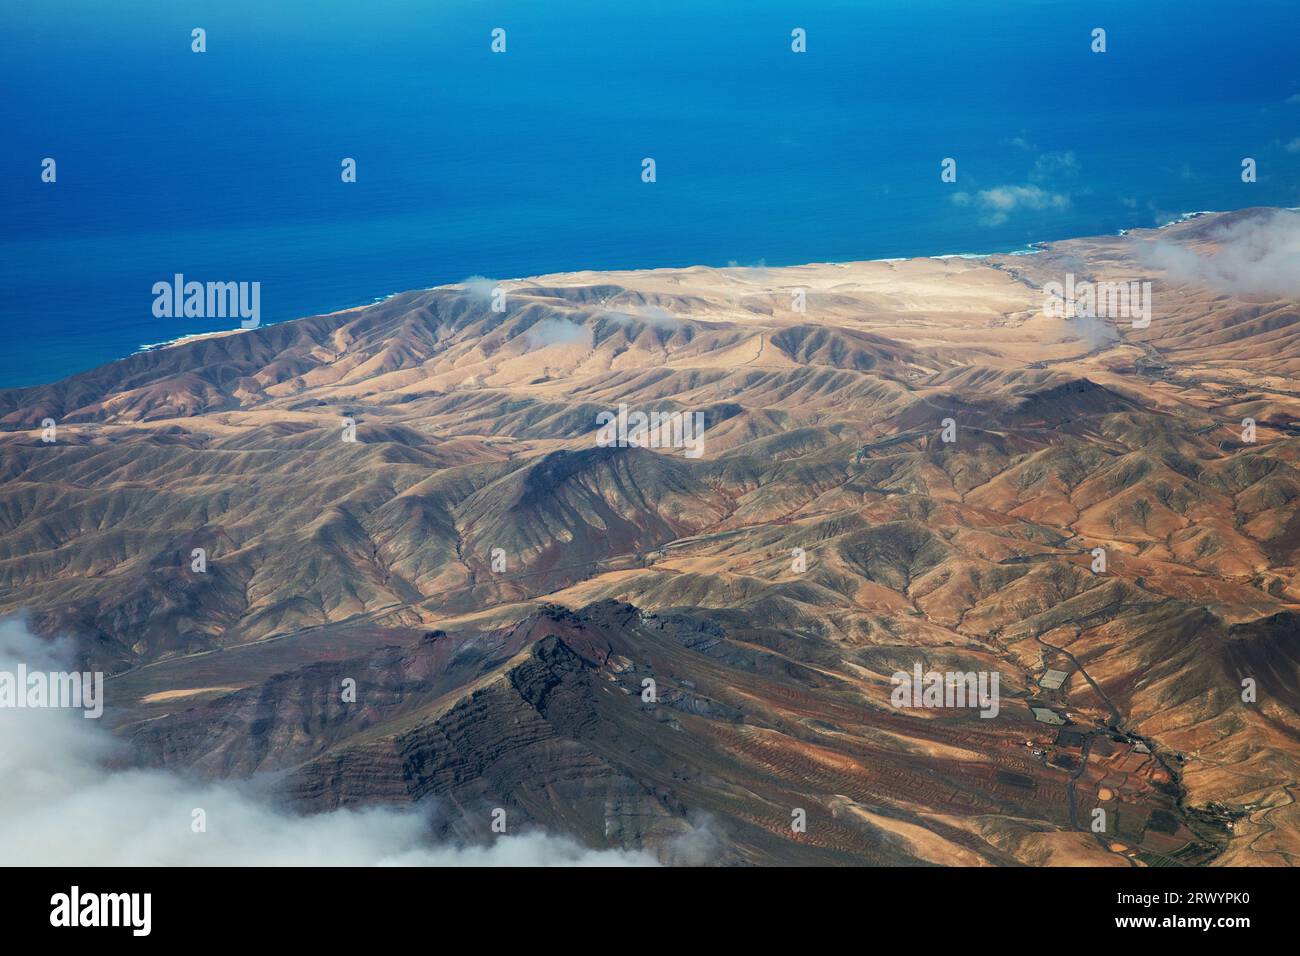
{"x":1000,"y":202}
{"x":1051,"y":165}
{"x":1293,"y":146}
{"x":652,"y":315}
{"x":60,"y":806}
{"x":1256,"y":256}
{"x":557,"y":331}
{"x":479,"y":288}
{"x":757,"y":272}
{"x":1095,"y":331}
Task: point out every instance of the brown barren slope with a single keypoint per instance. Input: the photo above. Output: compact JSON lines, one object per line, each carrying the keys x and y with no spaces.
{"x":501,"y":586}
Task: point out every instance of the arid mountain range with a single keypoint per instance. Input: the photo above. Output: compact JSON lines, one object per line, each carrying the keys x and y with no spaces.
{"x":501,"y":584}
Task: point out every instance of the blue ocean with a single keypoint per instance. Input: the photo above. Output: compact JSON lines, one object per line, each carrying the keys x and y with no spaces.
{"x":225,"y":165}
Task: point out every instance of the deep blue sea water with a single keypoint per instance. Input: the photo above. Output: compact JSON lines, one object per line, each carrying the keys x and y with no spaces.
{"x":225,"y":165}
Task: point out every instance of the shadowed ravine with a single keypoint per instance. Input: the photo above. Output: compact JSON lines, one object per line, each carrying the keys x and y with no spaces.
{"x":500,"y":582}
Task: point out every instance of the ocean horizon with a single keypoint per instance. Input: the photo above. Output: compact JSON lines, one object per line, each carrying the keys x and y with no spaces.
{"x":225,"y":165}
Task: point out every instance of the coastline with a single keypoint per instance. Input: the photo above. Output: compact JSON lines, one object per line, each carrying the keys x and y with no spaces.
{"x":1030,"y":249}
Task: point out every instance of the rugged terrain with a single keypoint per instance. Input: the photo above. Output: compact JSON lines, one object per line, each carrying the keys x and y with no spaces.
{"x":826,"y":538}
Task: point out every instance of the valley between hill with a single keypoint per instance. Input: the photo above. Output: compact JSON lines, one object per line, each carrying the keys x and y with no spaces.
{"x":500,"y":586}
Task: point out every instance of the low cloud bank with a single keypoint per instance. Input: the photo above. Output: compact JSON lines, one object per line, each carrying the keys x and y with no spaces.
{"x":60,"y":806}
{"x":652,"y":315}
{"x":1256,"y":256}
{"x":1098,"y":333}
{"x":555,"y":331}
{"x":479,"y":288}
